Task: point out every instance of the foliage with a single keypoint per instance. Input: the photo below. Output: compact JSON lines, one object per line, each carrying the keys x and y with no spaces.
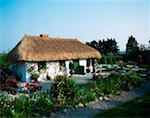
{"x":139,"y":107}
{"x":90,"y":92}
{"x":8,"y":83}
{"x":34,"y":75}
{"x":24,"y":105}
{"x":109,"y":58}
{"x":41,"y":65}
{"x":64,"y":90}
{"x":85,"y":93}
{"x":144,"y":55}
{"x":30,"y":68}
{"x":74,"y":65}
{"x":113,"y":84}
{"x":131,"y":80}
{"x":4,"y":64}
{"x":132,"y":49}
{"x":108,"y":46}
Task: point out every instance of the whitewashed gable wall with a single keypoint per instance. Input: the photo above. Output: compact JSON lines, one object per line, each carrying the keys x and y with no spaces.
{"x":83,"y":63}
{"x":67,"y":66}
{"x":53,"y":68}
{"x":28,"y":66}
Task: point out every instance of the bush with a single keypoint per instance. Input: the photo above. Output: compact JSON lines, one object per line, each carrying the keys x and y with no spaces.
{"x":64,"y":90}
{"x":117,"y":82}
{"x":131,"y":79}
{"x":4,"y":64}
{"x":35,"y":75}
{"x":85,"y":93}
{"x":24,"y":105}
{"x":112,"y":84}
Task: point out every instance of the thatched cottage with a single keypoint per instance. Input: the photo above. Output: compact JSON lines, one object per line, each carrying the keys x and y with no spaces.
{"x":51,"y":56}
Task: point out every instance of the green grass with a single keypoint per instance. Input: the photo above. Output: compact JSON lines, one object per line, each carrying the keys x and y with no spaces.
{"x":139,"y":107}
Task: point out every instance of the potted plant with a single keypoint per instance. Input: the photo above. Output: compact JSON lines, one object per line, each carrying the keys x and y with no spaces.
{"x":35,"y":76}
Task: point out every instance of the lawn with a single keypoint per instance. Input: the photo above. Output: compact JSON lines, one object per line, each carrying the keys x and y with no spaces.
{"x":139,"y":107}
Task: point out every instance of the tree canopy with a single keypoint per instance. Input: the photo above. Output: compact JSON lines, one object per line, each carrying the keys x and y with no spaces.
{"x":132,"y":49}
{"x":105,"y":46}
{"x":132,"y":45}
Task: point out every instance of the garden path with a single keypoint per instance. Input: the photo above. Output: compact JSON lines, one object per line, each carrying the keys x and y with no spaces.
{"x":92,"y":109}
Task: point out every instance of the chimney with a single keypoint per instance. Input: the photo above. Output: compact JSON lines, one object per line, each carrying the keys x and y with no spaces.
{"x":44,"y":35}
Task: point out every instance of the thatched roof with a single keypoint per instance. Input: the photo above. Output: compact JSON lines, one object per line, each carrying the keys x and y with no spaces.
{"x":43,"y":48}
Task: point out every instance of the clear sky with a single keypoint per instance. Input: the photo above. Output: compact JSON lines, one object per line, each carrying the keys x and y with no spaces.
{"x":85,"y":20}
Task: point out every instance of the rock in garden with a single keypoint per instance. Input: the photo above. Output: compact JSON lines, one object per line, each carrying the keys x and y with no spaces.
{"x":106,"y":98}
{"x":81,"y":105}
{"x":100,"y":98}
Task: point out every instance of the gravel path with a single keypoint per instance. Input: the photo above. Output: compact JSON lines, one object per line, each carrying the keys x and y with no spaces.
{"x":97,"y":107}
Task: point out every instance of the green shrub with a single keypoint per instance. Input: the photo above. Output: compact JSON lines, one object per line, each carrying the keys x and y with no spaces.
{"x":131,"y":80}
{"x":24,"y":105}
{"x":113,"y":84}
{"x":4,"y":64}
{"x":6,"y":106}
{"x":35,"y":75}
{"x":85,"y":93}
{"x":64,"y":90}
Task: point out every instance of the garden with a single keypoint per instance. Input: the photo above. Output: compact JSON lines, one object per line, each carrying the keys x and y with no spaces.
{"x":65,"y":93}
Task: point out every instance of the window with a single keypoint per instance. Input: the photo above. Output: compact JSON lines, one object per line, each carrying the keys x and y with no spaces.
{"x":93,"y":61}
{"x":62,"y":65}
{"x":88,"y":62}
{"x":41,"y":65}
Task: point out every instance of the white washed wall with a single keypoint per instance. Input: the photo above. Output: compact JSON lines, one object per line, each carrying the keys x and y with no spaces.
{"x":21,"y":71}
{"x":67,"y":66}
{"x":91,"y":66}
{"x":53,"y":69}
{"x":83,"y":63}
{"x":28,"y":65}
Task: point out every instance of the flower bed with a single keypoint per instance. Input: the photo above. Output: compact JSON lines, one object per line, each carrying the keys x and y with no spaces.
{"x":24,"y":105}
{"x":66,"y":93}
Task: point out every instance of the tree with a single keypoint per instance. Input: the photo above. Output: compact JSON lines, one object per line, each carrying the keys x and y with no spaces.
{"x":93,"y":44}
{"x":109,"y":58}
{"x":144,"y":53}
{"x":104,"y":47}
{"x":132,"y":49}
{"x":4,"y":64}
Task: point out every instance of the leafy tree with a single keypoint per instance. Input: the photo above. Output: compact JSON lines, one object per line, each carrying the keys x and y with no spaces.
{"x":132,"y":45}
{"x":104,"y":47}
{"x":108,"y":46}
{"x":132,"y":49}
{"x":109,"y":58}
{"x":4,"y":64}
{"x":93,"y":44}
{"x":144,"y":55}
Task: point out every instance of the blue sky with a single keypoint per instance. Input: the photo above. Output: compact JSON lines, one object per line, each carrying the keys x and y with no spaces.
{"x":86,"y":20}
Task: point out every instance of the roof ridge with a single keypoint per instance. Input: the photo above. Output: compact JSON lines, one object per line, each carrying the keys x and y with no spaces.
{"x":61,"y":38}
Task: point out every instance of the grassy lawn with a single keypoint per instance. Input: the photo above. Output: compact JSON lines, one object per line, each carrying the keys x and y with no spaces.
{"x":139,"y":107}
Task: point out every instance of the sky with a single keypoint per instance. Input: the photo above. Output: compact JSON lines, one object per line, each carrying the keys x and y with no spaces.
{"x":86,"y":20}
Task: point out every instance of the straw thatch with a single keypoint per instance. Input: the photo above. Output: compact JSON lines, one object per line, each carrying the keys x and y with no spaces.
{"x":42,"y":48}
